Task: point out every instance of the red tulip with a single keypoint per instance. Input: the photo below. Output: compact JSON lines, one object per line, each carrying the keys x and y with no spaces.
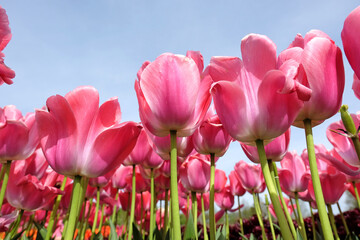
{"x":275,"y":150}
{"x":322,"y":70}
{"x":80,"y":138}
{"x":6,"y":74}
{"x":172,"y":95}
{"x":251,"y":177}
{"x":255,"y":100}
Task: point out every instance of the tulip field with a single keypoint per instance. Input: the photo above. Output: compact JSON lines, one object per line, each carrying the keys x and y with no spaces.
{"x":73,"y":169}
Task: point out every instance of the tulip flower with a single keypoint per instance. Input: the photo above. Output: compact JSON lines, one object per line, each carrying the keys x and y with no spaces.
{"x":250,"y":176}
{"x":6,"y":74}
{"x":238,"y":190}
{"x":119,"y":177}
{"x":79,"y":138}
{"x":173,"y":99}
{"x":225,"y":201}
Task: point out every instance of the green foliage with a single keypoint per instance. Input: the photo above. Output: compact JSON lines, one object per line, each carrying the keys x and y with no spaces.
{"x":136,"y":233}
{"x":189,"y":230}
{"x":41,"y":235}
{"x":113,"y":234}
{"x":351,"y":236}
{"x":219,"y":234}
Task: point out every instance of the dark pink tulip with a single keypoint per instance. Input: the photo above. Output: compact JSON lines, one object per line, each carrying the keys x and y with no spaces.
{"x":6,"y":74}
{"x":36,"y":164}
{"x":251,"y":177}
{"x":322,"y":70}
{"x":224,"y":199}
{"x":142,"y":184}
{"x":101,"y":181}
{"x":251,"y":95}
{"x":195,"y":174}
{"x":220,"y":180}
{"x":163,"y":182}
{"x":236,"y":186}
{"x":153,"y":161}
{"x":118,"y":179}
{"x":7,"y":220}
{"x":293,"y":174}
{"x":18,"y":135}
{"x":350,"y":38}
{"x":125,"y":200}
{"x":80,"y":138}
{"x":146,"y":172}
{"x":275,"y":150}
{"x":211,"y":136}
{"x":172,"y":95}
{"x":343,"y":145}
{"x":141,"y":151}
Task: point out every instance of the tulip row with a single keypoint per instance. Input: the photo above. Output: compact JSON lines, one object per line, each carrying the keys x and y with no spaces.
{"x":61,"y":157}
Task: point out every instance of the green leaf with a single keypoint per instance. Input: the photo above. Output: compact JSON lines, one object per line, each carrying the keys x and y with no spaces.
{"x":276,"y":226}
{"x":17,"y":236}
{"x":218,"y":232}
{"x":252,"y":237}
{"x":157,"y":232}
{"x":136,"y":233}
{"x":219,"y":235}
{"x":113,"y":234}
{"x":98,"y":236}
{"x":243,"y":236}
{"x":351,"y":236}
{"x":279,"y":237}
{"x":41,"y":235}
{"x":189,"y":230}
{"x":298,"y":234}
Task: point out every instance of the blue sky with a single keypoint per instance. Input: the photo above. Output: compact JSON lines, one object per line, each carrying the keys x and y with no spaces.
{"x":59,"y":45}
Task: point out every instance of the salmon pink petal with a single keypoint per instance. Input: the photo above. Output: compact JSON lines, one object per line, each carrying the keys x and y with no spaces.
{"x":5,"y":32}
{"x":259,"y":54}
{"x":225,"y":68}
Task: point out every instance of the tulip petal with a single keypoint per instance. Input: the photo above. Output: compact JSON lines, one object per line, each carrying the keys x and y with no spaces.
{"x":225,"y":68}
{"x":5,"y":32}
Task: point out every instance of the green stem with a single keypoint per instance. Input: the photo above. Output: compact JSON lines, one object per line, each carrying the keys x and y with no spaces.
{"x":294,"y":211}
{"x":350,"y":128}
{"x":227,"y":225}
{"x":312,"y":222}
{"x":212,"y":198}
{"x":194,"y":212}
{"x":166,"y":219}
{"x":132,"y":210}
{"x":324,"y":219}
{"x":96,"y":213}
{"x":17,"y":223}
{"x":84,"y":227}
{"x":82,"y":222}
{"x":332,"y":221}
{"x":53,"y":215}
{"x":240,"y":218}
{"x":270,"y":218}
{"x":258,"y":214}
{"x":175,"y":212}
{"x":2,"y":173}
{"x":356,"y":194}
{"x":6,"y":167}
{"x":301,"y":223}
{"x":284,"y":227}
{"x":74,"y":208}
{"x":204,"y":218}
{"x":113,"y":217}
{"x":343,"y":219}
{"x":152,"y":205}
{"x":101,"y":217}
{"x":274,"y":173}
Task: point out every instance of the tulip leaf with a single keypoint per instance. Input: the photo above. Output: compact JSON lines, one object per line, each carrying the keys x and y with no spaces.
{"x":298,"y":234}
{"x":41,"y":235}
{"x":157,"y":232}
{"x":136,"y":233}
{"x":252,"y":237}
{"x":113,"y":234}
{"x":351,"y":236}
{"x":219,"y":234}
{"x":17,"y":236}
{"x":189,"y":230}
{"x":243,"y":236}
{"x":279,"y":237}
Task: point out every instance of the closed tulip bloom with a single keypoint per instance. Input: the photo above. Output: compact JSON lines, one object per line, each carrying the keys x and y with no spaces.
{"x":251,"y":177}
{"x":101,"y":181}
{"x":80,"y":138}
{"x":236,"y":186}
{"x":225,"y":199}
{"x":275,"y":150}
{"x":18,"y":135}
{"x":253,"y":98}
{"x":172,"y":95}
{"x":36,"y":164}
{"x":220,"y":180}
{"x":118,"y":179}
{"x":211,"y":137}
{"x":293,"y":174}
{"x":152,"y":161}
{"x":6,"y":74}
{"x":322,"y":70}
{"x":195,"y":174}
{"x":140,"y":152}
{"x":142,"y":184}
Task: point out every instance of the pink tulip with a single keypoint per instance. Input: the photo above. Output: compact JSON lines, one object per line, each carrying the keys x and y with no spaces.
{"x":18,"y":135}
{"x":224,"y":199}
{"x":7,"y":220}
{"x":195,"y":174}
{"x":251,"y":177}
{"x":211,"y":136}
{"x":101,"y":181}
{"x":6,"y":74}
{"x":142,"y":184}
{"x":153,"y":161}
{"x":220,"y":180}
{"x":80,"y":138}
{"x":141,"y":151}
{"x":172,"y":95}
{"x":322,"y":70}
{"x":343,"y":145}
{"x":288,"y":206}
{"x":163,"y":182}
{"x":255,"y":100}
{"x":146,"y":172}
{"x":275,"y":150}
{"x":293,"y":174}
{"x":206,"y":197}
{"x":236,"y":186}
{"x":118,"y":179}
{"x":350,"y":36}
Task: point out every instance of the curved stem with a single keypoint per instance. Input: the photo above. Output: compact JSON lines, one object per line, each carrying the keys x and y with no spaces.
{"x":17,"y":223}
{"x":356,"y":194}
{"x":332,"y":221}
{"x":6,"y":167}
{"x":194,"y":212}
{"x":312,"y":222}
{"x":96,"y":213}
{"x":258,"y":214}
{"x":284,"y":227}
{"x":270,"y":218}
{"x":175,"y":216}
{"x":343,"y":219}
{"x":53,"y":215}
{"x":212,"y":198}
{"x":132,"y":210}
{"x":324,"y":219}
{"x":273,"y":170}
{"x":204,"y":218}
{"x":74,"y":208}
{"x":166,"y":219}
{"x":301,"y":223}
{"x":240,"y":218}
{"x":227,"y":225}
